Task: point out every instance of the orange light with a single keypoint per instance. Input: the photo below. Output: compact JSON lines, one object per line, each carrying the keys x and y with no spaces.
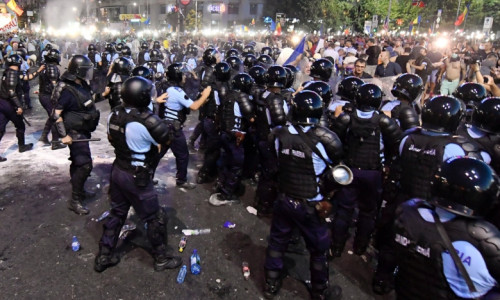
{"x":222,"y":8}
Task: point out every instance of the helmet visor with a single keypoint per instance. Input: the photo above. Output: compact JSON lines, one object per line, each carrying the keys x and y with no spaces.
{"x":89,"y":74}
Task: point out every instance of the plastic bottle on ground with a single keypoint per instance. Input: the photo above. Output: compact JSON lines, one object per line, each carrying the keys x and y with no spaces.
{"x":182,"y":274}
{"x":75,"y":244}
{"x":195,"y":263}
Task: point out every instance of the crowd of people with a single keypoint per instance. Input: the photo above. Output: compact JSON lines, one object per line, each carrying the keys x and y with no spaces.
{"x":395,"y":137}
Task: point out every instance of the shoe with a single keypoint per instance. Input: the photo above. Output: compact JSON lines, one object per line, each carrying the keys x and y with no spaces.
{"x":359,"y":248}
{"x":272,"y":287}
{"x":202,"y":178}
{"x":382,"y":286}
{"x":103,"y":261}
{"x":26,"y":147}
{"x":45,"y":140}
{"x":58,"y":145}
{"x":155,"y":181}
{"x":186,"y":185}
{"x":163,"y":262}
{"x":76,"y":206}
{"x":218,"y":199}
{"x":332,"y":293}
{"x":191,"y":146}
{"x":2,"y":159}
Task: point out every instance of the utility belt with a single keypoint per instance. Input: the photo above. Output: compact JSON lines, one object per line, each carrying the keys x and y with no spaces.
{"x":142,"y":175}
{"x":238,"y":136}
{"x":322,"y":208}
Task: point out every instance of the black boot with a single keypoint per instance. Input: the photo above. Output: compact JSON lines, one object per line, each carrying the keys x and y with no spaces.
{"x":20,"y":140}
{"x":105,"y":259}
{"x":1,"y":135}
{"x":2,"y":159}
{"x":44,"y":137}
{"x":75,"y":204}
{"x":164,"y":261}
{"x":329,"y":293}
{"x":273,"y":284}
{"x":56,"y":145}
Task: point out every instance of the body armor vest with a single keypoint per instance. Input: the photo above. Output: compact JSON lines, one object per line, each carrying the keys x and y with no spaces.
{"x":115,"y":94}
{"x":229,"y":120}
{"x":86,"y":118}
{"x":117,"y":124}
{"x":363,"y":143}
{"x":419,"y":246}
{"x":489,"y":143}
{"x":50,"y":74}
{"x":262,"y":126}
{"x":421,"y":157}
{"x":296,"y":176}
{"x":91,"y":56}
{"x":210,"y":108}
{"x":11,"y":87}
{"x":104,"y":59}
{"x":172,"y":114}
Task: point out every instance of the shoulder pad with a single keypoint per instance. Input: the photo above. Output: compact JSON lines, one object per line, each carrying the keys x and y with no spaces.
{"x":158,"y":128}
{"x":408,"y":118}
{"x":488,"y":237}
{"x":471,"y":147}
{"x":245,"y":105}
{"x":331,"y":142}
{"x":390,"y":129}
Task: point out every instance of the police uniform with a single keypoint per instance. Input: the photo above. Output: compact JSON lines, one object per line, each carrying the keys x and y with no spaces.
{"x":48,"y":80}
{"x":26,"y":85}
{"x":96,"y":83}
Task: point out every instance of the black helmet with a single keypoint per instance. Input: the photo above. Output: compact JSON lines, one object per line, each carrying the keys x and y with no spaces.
{"x":321,"y":88}
{"x":486,"y":115}
{"x":249,"y":60}
{"x":348,"y":87}
{"x":368,"y":97}
{"x":156,"y":45}
{"x":155,"y":55}
{"x":138,"y":91}
{"x":22,"y":52}
{"x":48,"y":47}
{"x":408,"y":87}
{"x":20,"y":45}
{"x":234,"y":62}
{"x":242,"y":82}
{"x":266,"y":51}
{"x":174,"y":72}
{"x":470,"y":93}
{"x":109,"y":47}
{"x":91,"y":48}
{"x":119,"y":47}
{"x":290,"y":75}
{"x":248,"y":50}
{"x":266,"y":60}
{"x":232,"y":52}
{"x":210,"y":57}
{"x":14,"y":60}
{"x":258,"y":74}
{"x":174,"y":48}
{"x":465,"y":186}
{"x":307,"y":108}
{"x":276,"y":77}
{"x":222,"y":71}
{"x":238,"y":45}
{"x":442,"y":114}
{"x":228,"y":46}
{"x":122,"y":66}
{"x":143,"y":72}
{"x":322,"y":69}
{"x":126,"y":51}
{"x":191,"y":49}
{"x":54,"y":56}
{"x":81,"y":67}
{"x":144,"y":45}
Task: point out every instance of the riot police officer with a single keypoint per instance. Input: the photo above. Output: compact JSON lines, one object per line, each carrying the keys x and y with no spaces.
{"x":265,"y":61}
{"x":471,"y":94}
{"x":176,"y":109}
{"x":288,"y":91}
{"x":143,"y":56}
{"x":96,"y":82}
{"x":158,"y":68}
{"x":346,"y":91}
{"x":407,"y":88}
{"x":48,"y":80}
{"x":237,"y":114}
{"x":321,"y":69}
{"x":11,"y":108}
{"x":211,"y":122}
{"x":236,"y":65}
{"x":443,"y":240}
{"x":368,"y":136}
{"x":135,"y":133}
{"x":270,"y":103}
{"x":120,"y":71}
{"x":300,"y":204}
{"x":127,"y":53}
{"x":75,"y":118}
{"x":249,"y":61}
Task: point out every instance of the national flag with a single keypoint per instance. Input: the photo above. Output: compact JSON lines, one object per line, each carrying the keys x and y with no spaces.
{"x":463,"y":16}
{"x":253,"y":21}
{"x":147,"y":21}
{"x":298,"y":51}
{"x":13,"y":6}
{"x":273,"y":26}
{"x":278,"y":28}
{"x":386,"y":23}
{"x":417,"y":20}
{"x":418,"y":3}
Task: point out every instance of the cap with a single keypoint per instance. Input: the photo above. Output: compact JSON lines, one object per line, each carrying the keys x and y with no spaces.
{"x":352,"y":51}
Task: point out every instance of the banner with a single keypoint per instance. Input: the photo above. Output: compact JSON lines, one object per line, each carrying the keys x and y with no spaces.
{"x":128,"y":17}
{"x":8,"y":23}
{"x":13,"y":6}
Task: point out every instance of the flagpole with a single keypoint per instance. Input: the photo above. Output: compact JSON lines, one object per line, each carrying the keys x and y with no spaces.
{"x":389,"y":14}
{"x":458,"y":10}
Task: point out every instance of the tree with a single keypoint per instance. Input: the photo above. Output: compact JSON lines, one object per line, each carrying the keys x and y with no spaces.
{"x":190,"y":21}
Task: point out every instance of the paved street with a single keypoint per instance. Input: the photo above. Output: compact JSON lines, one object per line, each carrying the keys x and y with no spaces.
{"x":36,"y":260}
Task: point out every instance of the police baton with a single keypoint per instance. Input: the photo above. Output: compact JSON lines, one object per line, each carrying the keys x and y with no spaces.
{"x":86,"y":140}
{"x":26,"y":120}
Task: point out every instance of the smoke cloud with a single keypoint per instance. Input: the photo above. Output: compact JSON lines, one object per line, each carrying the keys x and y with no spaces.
{"x":59,"y":13}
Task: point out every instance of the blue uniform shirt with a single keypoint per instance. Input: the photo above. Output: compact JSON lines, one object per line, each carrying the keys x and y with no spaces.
{"x":177,"y":100}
